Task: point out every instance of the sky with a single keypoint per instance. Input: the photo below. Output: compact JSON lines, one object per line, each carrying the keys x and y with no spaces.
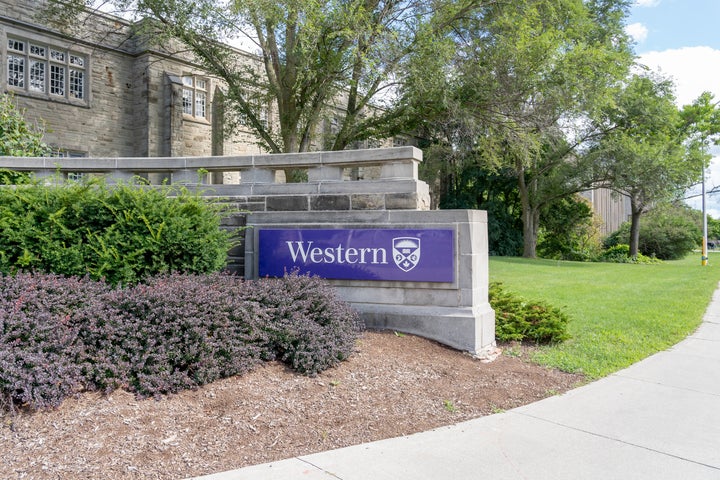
{"x":680,"y":39}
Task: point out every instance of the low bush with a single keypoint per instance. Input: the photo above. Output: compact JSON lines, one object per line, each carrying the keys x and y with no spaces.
{"x":519,"y":320}
{"x":621,"y":254}
{"x":310,"y":330}
{"x":172,"y":332}
{"x":38,"y":344}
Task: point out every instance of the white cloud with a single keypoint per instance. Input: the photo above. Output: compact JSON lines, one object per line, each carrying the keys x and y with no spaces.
{"x":693,"y":69}
{"x":637,"y":31}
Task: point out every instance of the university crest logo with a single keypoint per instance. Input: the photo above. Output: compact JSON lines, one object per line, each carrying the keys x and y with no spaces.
{"x":406,"y":252}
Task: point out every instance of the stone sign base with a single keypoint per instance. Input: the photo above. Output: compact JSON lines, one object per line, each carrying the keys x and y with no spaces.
{"x":454,"y":313}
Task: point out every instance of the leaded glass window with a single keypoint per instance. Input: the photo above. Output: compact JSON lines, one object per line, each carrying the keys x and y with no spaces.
{"x":46,"y":70}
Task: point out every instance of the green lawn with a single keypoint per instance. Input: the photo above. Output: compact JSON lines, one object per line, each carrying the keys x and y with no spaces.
{"x":620,"y":313}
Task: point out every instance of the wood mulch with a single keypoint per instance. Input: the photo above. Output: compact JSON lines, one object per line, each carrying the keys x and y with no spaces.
{"x":393,"y":385}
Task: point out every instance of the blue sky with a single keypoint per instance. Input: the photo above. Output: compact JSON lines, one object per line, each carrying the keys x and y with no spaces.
{"x":676,"y":23}
{"x":680,"y":39}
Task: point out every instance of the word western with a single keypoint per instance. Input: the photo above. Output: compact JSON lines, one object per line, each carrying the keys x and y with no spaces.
{"x":305,"y":251}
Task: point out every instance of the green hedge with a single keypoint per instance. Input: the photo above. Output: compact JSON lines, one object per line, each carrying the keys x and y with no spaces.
{"x":122,"y":233}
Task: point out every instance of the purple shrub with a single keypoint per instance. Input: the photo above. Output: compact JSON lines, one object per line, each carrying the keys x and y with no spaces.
{"x":38,"y":345}
{"x":311,"y":330}
{"x":173,"y":332}
{"x":62,"y":335}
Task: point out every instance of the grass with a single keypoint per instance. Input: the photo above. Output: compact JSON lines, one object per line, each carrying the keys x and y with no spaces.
{"x":620,"y":313}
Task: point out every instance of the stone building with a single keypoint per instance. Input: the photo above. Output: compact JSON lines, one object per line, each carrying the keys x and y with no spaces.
{"x":102,"y":92}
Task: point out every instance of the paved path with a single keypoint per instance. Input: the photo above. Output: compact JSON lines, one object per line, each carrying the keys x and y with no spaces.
{"x":658,"y":419}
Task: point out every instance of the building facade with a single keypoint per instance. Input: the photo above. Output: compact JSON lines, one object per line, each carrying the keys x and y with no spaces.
{"x":103,"y":92}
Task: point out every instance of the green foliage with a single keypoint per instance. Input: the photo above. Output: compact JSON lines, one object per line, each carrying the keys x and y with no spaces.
{"x":713,"y":228}
{"x":644,"y":153}
{"x":519,"y":67}
{"x":668,"y":232}
{"x":11,"y":177}
{"x":621,"y":254}
{"x":17,"y":138}
{"x":520,"y":320}
{"x":475,"y":187}
{"x":568,"y":230}
{"x":122,"y":233}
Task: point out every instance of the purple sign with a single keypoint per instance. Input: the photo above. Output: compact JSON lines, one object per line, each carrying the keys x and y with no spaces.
{"x":368,"y":254}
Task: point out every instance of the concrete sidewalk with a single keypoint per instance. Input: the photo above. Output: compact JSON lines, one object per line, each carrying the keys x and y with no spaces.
{"x":658,"y":419}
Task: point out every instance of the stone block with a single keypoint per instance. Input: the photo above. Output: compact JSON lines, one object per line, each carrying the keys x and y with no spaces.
{"x":235,"y":220}
{"x":401,"y":201}
{"x":407,"y":169}
{"x":468,"y":329}
{"x":290,"y":203}
{"x":329,"y":202}
{"x":324,"y":173}
{"x":456,"y":314}
{"x":367,"y":202}
{"x":258,"y":206}
{"x":257,"y":175}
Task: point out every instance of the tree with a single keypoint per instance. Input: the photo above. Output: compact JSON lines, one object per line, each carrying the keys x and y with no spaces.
{"x":642,"y":154}
{"x":320,"y":59}
{"x":526,"y":76}
{"x":472,"y":186}
{"x":17,"y":137}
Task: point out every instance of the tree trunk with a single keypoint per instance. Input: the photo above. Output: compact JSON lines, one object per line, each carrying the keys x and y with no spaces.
{"x":531,"y":224}
{"x":636,"y":211}
{"x":530,"y":214}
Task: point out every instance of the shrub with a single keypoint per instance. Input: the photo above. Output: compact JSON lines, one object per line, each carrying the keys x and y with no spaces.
{"x":569,"y":230}
{"x":38,"y":346}
{"x":11,"y":177}
{"x":669,"y":232}
{"x":621,"y":254}
{"x":17,"y":137}
{"x":172,"y":332}
{"x":122,"y":234}
{"x":310,"y":329}
{"x":519,"y":320}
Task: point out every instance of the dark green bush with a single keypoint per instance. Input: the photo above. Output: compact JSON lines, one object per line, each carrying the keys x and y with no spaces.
{"x":121,"y":233}
{"x":621,"y":254}
{"x":11,"y":177}
{"x":172,"y":332}
{"x":519,"y":320}
{"x":568,"y":231}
